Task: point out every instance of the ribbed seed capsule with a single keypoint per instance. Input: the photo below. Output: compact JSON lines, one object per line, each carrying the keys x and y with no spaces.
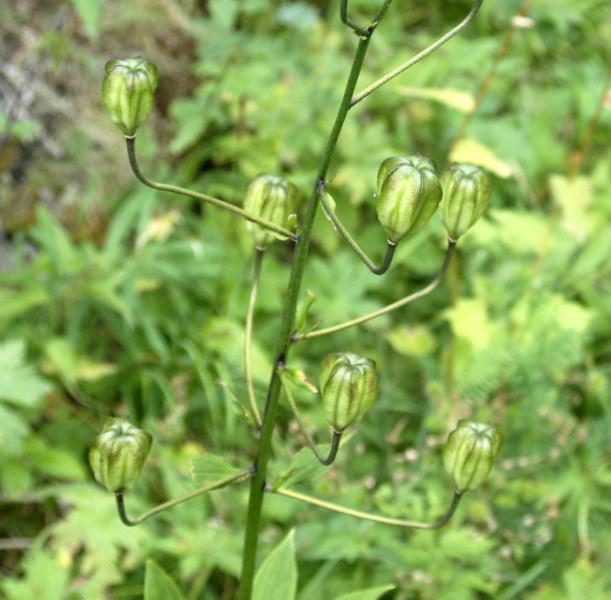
{"x":470,"y":452}
{"x":118,"y":454}
{"x":409,"y":193}
{"x":349,"y":386}
{"x":128,"y":91}
{"x":271,"y":198}
{"x":466,"y":191}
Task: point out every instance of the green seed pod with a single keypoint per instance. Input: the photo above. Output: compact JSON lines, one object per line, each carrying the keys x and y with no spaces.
{"x":118,"y":454}
{"x":349,"y":386}
{"x":127,"y":92}
{"x":469,"y":454}
{"x":466,"y":191}
{"x":409,"y":192}
{"x":271,"y":198}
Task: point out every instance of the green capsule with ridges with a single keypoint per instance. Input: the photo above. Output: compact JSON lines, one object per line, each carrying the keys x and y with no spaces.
{"x":466,"y":192}
{"x":118,"y":454}
{"x":271,"y":198}
{"x":128,"y":91}
{"x":408,"y":192}
{"x":469,"y":454}
{"x":349,"y":386}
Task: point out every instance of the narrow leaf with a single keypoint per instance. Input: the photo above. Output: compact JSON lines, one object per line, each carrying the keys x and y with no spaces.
{"x":211,"y":468}
{"x":277,"y":576}
{"x":368,"y":594}
{"x":158,"y":585}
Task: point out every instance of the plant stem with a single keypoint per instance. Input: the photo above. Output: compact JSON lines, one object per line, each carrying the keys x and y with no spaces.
{"x":170,"y":503}
{"x":394,"y":306}
{"x":371,"y":517}
{"x":415,"y":59}
{"x":248,"y":337}
{"x":390,"y":247}
{"x":257,"y":484}
{"x":335,"y":441}
{"x":164,"y":187}
{"x":346,"y":20}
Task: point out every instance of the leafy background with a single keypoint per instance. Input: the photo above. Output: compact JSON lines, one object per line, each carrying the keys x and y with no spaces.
{"x":115,"y":300}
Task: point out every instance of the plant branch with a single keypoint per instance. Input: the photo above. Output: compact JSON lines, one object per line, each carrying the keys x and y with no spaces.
{"x":369,"y":516}
{"x":390,"y":247}
{"x":171,"y":503}
{"x":131,"y":152}
{"x":257,"y":485}
{"x":418,"y":57}
{"x":335,"y":440}
{"x":248,"y":337}
{"x":346,"y":20}
{"x":394,"y":306}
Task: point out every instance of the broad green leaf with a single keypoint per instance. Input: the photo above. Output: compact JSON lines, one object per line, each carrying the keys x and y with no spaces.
{"x":474,"y":152}
{"x":303,"y":467}
{"x":277,"y":576}
{"x":368,"y":594}
{"x":574,"y":197}
{"x":15,"y":304}
{"x":470,"y":320}
{"x":462,"y":101}
{"x":211,"y":468}
{"x":64,"y":361}
{"x":158,"y":585}
{"x":89,"y":13}
{"x":13,"y":430}
{"x":411,"y":340}
{"x":44,"y":577}
{"x":19,"y":382}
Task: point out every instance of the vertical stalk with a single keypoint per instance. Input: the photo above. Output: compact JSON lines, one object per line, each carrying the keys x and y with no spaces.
{"x":252,"y":398}
{"x":257,"y":486}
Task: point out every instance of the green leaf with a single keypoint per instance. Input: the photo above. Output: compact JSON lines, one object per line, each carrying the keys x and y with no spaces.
{"x":277,"y":576}
{"x":89,"y":13}
{"x":19,"y":382}
{"x":462,"y":101}
{"x":211,"y":468}
{"x":368,"y":594}
{"x":303,"y":467}
{"x":475,"y":153}
{"x":158,"y":585}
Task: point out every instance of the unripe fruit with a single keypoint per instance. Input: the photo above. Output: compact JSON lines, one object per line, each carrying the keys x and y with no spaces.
{"x":469,"y":454}
{"x":466,"y":191}
{"x":409,"y":193}
{"x":349,"y":386}
{"x":271,"y":198}
{"x":127,"y":92}
{"x":118,"y":454}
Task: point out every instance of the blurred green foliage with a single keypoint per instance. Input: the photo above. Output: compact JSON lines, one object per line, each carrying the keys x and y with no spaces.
{"x":116,"y":300}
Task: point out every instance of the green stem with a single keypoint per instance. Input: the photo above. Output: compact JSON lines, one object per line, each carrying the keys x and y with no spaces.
{"x":170,"y":503}
{"x":359,"y":514}
{"x":346,"y":20}
{"x":257,"y":485}
{"x":164,"y":187}
{"x":335,"y":440}
{"x":418,"y":57}
{"x":394,"y":306}
{"x":390,"y":247}
{"x":248,"y":337}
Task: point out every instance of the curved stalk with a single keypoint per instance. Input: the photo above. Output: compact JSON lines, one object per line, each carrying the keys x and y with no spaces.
{"x":418,"y":57}
{"x":346,"y":20}
{"x":171,"y":503}
{"x":394,"y":306}
{"x":335,"y":440}
{"x":248,"y":338}
{"x":174,"y":189}
{"x":359,"y":514}
{"x":390,"y":247}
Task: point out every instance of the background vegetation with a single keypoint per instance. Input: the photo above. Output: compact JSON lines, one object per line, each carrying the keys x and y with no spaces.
{"x":115,"y":300}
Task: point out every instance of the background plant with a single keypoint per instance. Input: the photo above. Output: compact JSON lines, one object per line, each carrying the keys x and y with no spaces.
{"x":102,"y":275}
